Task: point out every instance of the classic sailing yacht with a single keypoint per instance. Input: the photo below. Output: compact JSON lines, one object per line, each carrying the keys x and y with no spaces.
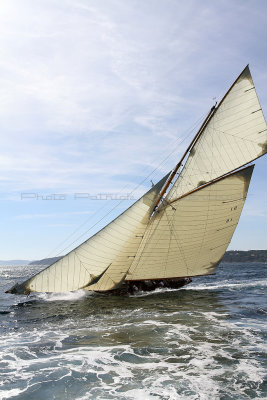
{"x":182,"y":226}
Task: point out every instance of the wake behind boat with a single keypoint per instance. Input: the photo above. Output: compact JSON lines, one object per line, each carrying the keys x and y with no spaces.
{"x":183,"y":225}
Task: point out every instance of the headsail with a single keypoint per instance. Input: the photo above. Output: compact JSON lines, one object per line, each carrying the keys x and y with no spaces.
{"x":111,"y":249}
{"x":234,"y":136}
{"x":189,"y":236}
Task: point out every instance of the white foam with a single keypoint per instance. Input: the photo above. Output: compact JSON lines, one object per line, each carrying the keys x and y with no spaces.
{"x":157,"y":378}
{"x":193,"y":353}
{"x":64,"y":296}
{"x":226,"y":284}
{"x":141,"y":394}
{"x":6,"y":394}
{"x":196,"y":286}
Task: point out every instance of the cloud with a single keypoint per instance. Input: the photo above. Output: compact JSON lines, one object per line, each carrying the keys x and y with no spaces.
{"x":97,"y":95}
{"x":86,"y":81}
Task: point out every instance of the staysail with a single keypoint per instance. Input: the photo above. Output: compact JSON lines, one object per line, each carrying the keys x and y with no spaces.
{"x":110,"y":250}
{"x":235,"y":135}
{"x":189,"y":236}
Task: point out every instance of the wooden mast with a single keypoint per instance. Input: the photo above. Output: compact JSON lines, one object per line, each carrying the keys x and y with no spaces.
{"x":195,"y":139}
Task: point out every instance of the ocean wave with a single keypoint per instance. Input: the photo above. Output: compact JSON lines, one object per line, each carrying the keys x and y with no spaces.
{"x":64,"y":296}
{"x":121,"y":372}
{"x":226,"y":285}
{"x":205,"y":341}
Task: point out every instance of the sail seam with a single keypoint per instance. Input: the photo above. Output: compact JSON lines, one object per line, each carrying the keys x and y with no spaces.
{"x":178,"y":245}
{"x":240,"y":118}
{"x":231,"y":201}
{"x":145,"y":244}
{"x":221,"y":245}
{"x":238,"y":137}
{"x":236,"y":105}
{"x":225,"y":227}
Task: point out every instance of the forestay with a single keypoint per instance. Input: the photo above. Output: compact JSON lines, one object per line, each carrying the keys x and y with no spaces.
{"x":190,"y":236}
{"x":111,"y":250}
{"x":235,"y":135}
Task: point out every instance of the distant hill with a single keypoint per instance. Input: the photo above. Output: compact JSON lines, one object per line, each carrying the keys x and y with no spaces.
{"x":245,"y":256}
{"x":45,"y":261}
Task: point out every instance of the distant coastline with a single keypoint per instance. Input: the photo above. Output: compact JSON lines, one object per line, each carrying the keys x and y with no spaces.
{"x":245,"y":256}
{"x":230,"y":256}
{"x":45,"y":261}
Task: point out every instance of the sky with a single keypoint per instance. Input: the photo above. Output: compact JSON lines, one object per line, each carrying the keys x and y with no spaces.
{"x":98,"y":95}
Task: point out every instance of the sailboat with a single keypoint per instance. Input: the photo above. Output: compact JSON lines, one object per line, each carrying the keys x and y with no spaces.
{"x":183,"y":225}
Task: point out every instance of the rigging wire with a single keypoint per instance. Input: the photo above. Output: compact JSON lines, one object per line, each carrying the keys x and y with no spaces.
{"x":156,"y":169}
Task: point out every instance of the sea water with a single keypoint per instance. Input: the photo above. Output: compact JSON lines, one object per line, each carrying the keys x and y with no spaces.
{"x":204,"y":341}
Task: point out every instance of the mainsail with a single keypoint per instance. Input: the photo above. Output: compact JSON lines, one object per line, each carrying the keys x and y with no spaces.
{"x":189,"y":236}
{"x":186,"y":233}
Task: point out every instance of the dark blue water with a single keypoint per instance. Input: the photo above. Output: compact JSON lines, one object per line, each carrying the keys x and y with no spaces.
{"x":206,"y":341}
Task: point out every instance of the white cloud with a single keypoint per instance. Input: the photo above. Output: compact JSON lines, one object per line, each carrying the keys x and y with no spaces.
{"x":85,"y":81}
{"x":94,"y":95}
